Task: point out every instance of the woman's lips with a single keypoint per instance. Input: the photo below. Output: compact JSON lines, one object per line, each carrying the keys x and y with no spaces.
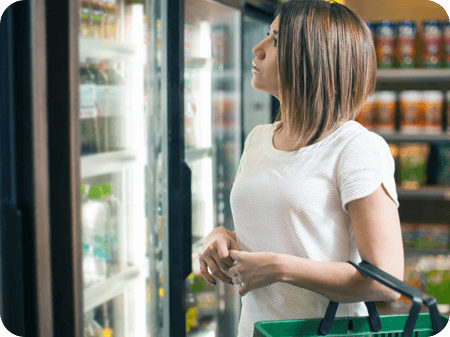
{"x":255,"y":68}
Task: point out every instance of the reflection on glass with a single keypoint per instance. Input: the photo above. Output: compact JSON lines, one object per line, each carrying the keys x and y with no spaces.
{"x":257,"y":104}
{"x":212,"y":139}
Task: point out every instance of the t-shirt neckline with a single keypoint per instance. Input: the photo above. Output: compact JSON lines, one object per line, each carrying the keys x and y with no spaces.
{"x":274,"y":153}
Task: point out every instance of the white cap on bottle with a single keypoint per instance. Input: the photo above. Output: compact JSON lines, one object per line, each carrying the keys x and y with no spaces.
{"x":410,"y":95}
{"x":386,"y":96}
{"x":433,"y":96}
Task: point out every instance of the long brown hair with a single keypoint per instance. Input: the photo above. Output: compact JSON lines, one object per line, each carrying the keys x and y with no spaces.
{"x":327,"y":67}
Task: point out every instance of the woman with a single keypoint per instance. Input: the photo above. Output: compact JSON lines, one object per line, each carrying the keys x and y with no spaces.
{"x":315,"y":188}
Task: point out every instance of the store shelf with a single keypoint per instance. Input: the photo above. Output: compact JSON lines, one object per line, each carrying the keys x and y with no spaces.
{"x":108,"y":162}
{"x":399,"y":137}
{"x":416,"y":75}
{"x":114,"y":286}
{"x":97,"y":48}
{"x":425,"y":192}
{"x":196,"y":154}
{"x":420,"y":252}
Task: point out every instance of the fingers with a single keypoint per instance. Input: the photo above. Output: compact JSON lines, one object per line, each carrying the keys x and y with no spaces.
{"x":205,"y":273}
{"x":205,"y":262}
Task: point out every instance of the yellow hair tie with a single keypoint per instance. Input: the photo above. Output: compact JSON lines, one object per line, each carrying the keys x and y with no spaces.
{"x":332,"y":1}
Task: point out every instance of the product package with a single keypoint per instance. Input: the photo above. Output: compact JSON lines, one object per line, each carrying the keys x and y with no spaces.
{"x":431,"y":110}
{"x":431,"y":37}
{"x":367,"y":114}
{"x":410,"y":117}
{"x":385,"y":116}
{"x":413,"y":165}
{"x":385,"y":39}
{"x":406,"y":44}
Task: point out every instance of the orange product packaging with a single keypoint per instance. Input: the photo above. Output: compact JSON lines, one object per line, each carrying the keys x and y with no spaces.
{"x":410,"y":118}
{"x":447,"y":96}
{"x":385,"y":117}
{"x":431,"y":110}
{"x":367,"y":114}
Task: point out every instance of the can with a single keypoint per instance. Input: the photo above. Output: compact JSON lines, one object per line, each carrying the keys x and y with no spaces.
{"x":409,"y":111}
{"x":385,"y":39}
{"x":432,"y":108}
{"x":446,"y":36}
{"x":386,"y":102}
{"x":406,"y":44}
{"x":431,"y":36}
{"x":367,"y":114}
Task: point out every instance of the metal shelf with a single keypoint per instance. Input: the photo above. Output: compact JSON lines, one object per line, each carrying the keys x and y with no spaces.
{"x":97,"y":48}
{"x":425,"y":192}
{"x":415,"y":75}
{"x":112,"y":287}
{"x":399,"y":137}
{"x":420,"y":252}
{"x":196,"y":154}
{"x":108,"y":162}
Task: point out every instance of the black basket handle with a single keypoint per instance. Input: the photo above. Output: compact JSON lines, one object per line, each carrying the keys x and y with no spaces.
{"x":419,"y":298}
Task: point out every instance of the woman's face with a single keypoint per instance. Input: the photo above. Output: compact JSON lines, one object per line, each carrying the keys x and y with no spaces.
{"x":265,"y":65}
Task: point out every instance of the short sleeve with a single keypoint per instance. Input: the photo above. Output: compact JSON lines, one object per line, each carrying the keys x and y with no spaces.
{"x":365,"y":163}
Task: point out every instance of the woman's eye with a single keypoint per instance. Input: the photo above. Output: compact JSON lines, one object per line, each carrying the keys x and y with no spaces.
{"x":275,"y":42}
{"x":268,"y":33}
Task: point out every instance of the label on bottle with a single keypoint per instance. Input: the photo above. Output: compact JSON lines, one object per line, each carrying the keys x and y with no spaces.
{"x":88,"y":96}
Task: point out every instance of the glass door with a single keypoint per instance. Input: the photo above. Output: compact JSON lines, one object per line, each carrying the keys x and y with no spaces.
{"x":212,"y":128}
{"x":257,"y":104}
{"x":123,"y":167}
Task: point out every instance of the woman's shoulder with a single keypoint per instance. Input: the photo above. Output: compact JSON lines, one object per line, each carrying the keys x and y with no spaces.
{"x":360,"y":138}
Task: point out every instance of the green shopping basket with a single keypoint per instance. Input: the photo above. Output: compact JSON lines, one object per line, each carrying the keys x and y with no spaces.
{"x":415,"y":324}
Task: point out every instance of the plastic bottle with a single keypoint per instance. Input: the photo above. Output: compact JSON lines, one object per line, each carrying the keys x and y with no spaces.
{"x":88,"y":96}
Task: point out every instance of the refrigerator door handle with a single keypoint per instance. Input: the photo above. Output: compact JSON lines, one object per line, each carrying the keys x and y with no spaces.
{"x":12,"y":265}
{"x":186,"y":177}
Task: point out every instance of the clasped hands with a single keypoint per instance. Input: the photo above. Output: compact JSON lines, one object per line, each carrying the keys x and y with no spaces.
{"x":222,"y":255}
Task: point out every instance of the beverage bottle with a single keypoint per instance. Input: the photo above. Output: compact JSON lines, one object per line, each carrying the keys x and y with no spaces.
{"x":105,"y":106}
{"x":105,"y":8}
{"x":116,"y":121}
{"x":97,"y":19}
{"x":88,"y":96}
{"x":95,"y":217}
{"x":112,"y":231}
{"x":101,"y":81}
{"x":85,"y":17}
{"x":112,"y":21}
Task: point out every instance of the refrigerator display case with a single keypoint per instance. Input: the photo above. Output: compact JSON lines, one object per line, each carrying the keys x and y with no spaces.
{"x":212,"y":132}
{"x":126,"y":172}
{"x":118,"y":260}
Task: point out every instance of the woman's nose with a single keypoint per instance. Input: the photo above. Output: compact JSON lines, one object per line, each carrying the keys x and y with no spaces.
{"x":258,"y":51}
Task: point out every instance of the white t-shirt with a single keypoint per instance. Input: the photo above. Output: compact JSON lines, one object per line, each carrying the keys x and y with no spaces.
{"x":294,"y":203}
